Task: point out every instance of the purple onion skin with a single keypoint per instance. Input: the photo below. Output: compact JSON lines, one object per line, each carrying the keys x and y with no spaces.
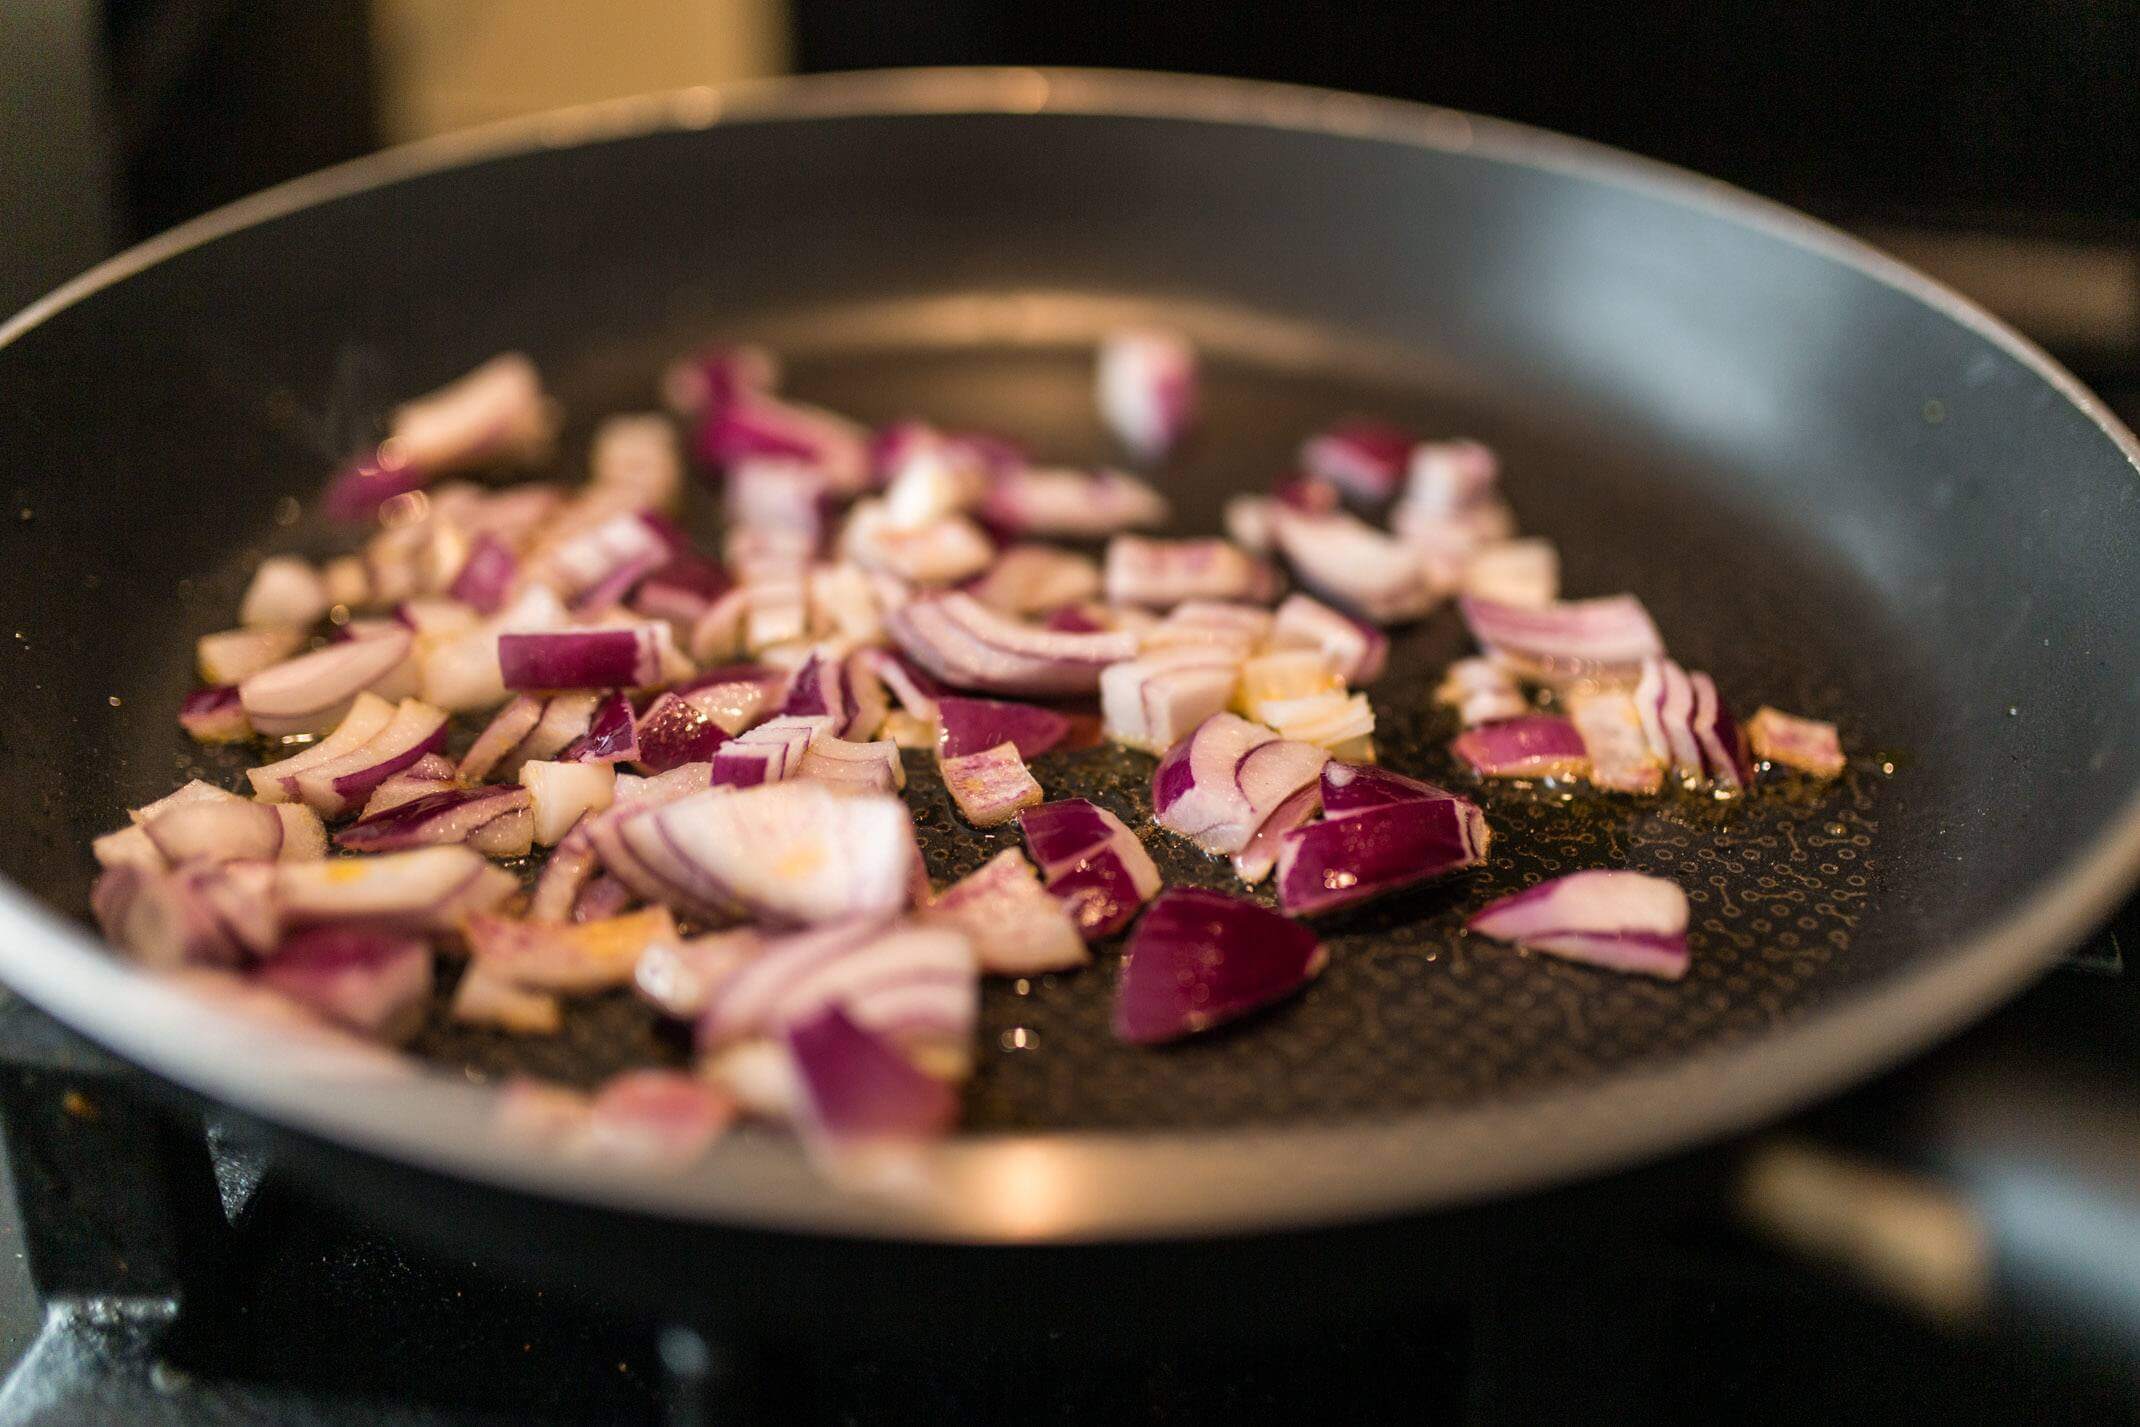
{"x":429,"y":819}
{"x":486,"y":576}
{"x":371,"y":981}
{"x":1173,"y":777}
{"x":807,"y":695}
{"x":976,"y":725}
{"x":359,"y":489}
{"x":611,"y":737}
{"x":1072,"y":620}
{"x":1344,"y":861}
{"x":571,"y":659}
{"x":1056,"y":833}
{"x":1098,"y":892}
{"x":1201,"y":958}
{"x":1355,"y":787}
{"x":859,"y":1088}
{"x":673,"y":733}
{"x":215,"y":715}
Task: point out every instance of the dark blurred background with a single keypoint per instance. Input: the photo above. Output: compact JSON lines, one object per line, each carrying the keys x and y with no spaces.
{"x":1994,"y":141}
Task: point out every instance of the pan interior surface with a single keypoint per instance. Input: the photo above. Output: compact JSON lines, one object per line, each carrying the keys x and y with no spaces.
{"x":1836,"y":498}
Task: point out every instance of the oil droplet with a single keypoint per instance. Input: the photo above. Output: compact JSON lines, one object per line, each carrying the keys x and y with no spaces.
{"x":1935,"y":411}
{"x":113,"y":701}
{"x":1022,"y":986}
{"x":338,"y":615}
{"x":28,"y":515}
{"x":2012,"y":711}
{"x":1888,"y":768}
{"x":1019,"y":1039}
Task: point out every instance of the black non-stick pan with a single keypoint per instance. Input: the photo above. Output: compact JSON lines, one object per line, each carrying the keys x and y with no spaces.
{"x":1840,"y":487}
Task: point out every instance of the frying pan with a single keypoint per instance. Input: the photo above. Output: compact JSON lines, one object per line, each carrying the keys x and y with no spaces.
{"x":1839,"y":486}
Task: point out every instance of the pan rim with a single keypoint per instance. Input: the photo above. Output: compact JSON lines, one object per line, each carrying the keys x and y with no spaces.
{"x":1068,"y":1186}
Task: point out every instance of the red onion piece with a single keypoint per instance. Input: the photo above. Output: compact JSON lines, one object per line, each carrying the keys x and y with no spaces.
{"x":338,"y":784}
{"x":629,"y":658}
{"x":682,"y":590}
{"x":601,"y":899}
{"x":1351,"y":563}
{"x":961,"y":641}
{"x":453,"y":815}
{"x":675,"y":731}
{"x":654,"y":1120}
{"x":819,"y":690}
{"x":311,"y":693}
{"x":215,"y":715}
{"x":1349,"y":788}
{"x":1027,"y":580}
{"x":238,"y":654}
{"x":561,"y":793}
{"x":736,"y":696}
{"x":611,"y":735}
{"x":768,"y":753}
{"x":717,"y":377}
{"x":1717,"y":732}
{"x":1802,"y":743}
{"x":285,"y":592}
{"x":1146,"y":388}
{"x":432,"y":773}
{"x":1448,"y":477}
{"x":1365,"y":459}
{"x":225,"y":830}
{"x":506,"y":731}
{"x":1090,"y":862}
{"x":1576,"y":639}
{"x":637,"y":458}
{"x":428,"y":889}
{"x":1516,"y":572}
{"x":1345,"y":860}
{"x":1159,"y":574}
{"x":570,"y":958}
{"x":496,"y":412}
{"x":277,"y":782}
{"x":564,"y":876}
{"x":1481,"y":691}
{"x":912,"y":982}
{"x":1194,"y":791}
{"x":792,"y":853}
{"x":1624,"y":921}
{"x":1359,"y":651}
{"x":781,"y":498}
{"x":486,"y":576}
{"x":1259,"y":854}
{"x":753,"y":424}
{"x":990,"y":786}
{"x":1070,"y":505}
{"x":857,"y":1090}
{"x":680,"y":977}
{"x":854,"y":767}
{"x":939,"y":552}
{"x":1155,"y":702}
{"x":917,"y":692}
{"x":1200,"y":958}
{"x":485,"y":999}
{"x":1282,"y":783}
{"x":360,"y":488}
{"x":1534,"y":746}
{"x":972,"y":725}
{"x":378,"y":983}
{"x":1015,"y":927}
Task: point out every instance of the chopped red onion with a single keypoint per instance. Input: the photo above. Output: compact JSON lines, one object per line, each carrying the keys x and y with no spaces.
{"x":1515,"y":572}
{"x":304,"y":836}
{"x":238,"y":654}
{"x":337,"y":784}
{"x":913,"y":982}
{"x":1155,"y":702}
{"x":495,"y":413}
{"x":858,"y":1091}
{"x":792,"y":853}
{"x":1802,"y":743}
{"x":1533,"y":746}
{"x":972,"y":725}
{"x":1717,"y":732}
{"x":277,"y":782}
{"x":752,"y":424}
{"x":506,"y":731}
{"x":601,"y":899}
{"x":786,"y":499}
{"x":637,"y":457}
{"x":1146,"y":388}
{"x":225,"y":830}
{"x":1350,"y":563}
{"x":1481,"y":691}
{"x":361,"y":487}
{"x":680,"y":977}
{"x":432,"y":773}
{"x":1376,"y":850}
{"x":1576,"y":639}
{"x":1070,"y":505}
{"x":1246,"y":519}
{"x":1365,"y":459}
{"x":917,"y":692}
{"x":495,"y":820}
{"x":1621,"y":759}
{"x":629,"y":658}
{"x":1447,"y":478}
{"x":654,"y":1120}
{"x":485,"y":999}
{"x":428,"y":889}
{"x":1159,"y":574}
{"x":570,"y":958}
{"x":461,"y":675}
{"x":215,"y":715}
{"x":375,"y":982}
{"x":928,"y":477}
{"x":1090,"y":862}
{"x":611,"y":735}
{"x":312,"y":692}
{"x":1015,"y":927}
{"x":991,"y":785}
{"x":1212,"y":623}
{"x":768,"y":753}
{"x":565,"y":875}
{"x":285,"y":592}
{"x":1201,"y":958}
{"x":1350,"y":788}
{"x":675,"y":731}
{"x":965,"y":643}
{"x":682,"y":590}
{"x":1259,"y":854}
{"x":1624,"y":921}
{"x":561,"y":792}
{"x":1359,"y":651}
{"x":1194,"y":788}
{"x":486,"y":577}
{"x":736,"y":696}
{"x":943,"y":551}
{"x":717,"y":377}
{"x":1281,"y":781}
{"x":1027,"y":580}
{"x":854,"y":767}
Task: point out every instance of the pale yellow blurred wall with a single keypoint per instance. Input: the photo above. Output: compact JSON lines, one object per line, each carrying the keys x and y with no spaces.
{"x":447,"y":64}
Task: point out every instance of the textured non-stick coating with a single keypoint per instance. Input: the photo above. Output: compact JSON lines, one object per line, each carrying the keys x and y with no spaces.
{"x":1833,"y":497}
